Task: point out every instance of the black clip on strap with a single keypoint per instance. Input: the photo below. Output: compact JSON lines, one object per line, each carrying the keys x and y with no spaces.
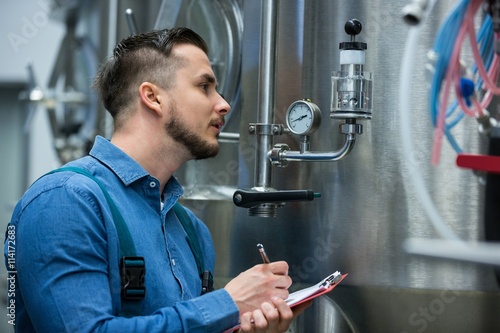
{"x":133,"y":270}
{"x":207,"y":282}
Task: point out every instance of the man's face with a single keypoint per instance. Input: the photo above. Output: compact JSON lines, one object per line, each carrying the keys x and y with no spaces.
{"x":196,"y":111}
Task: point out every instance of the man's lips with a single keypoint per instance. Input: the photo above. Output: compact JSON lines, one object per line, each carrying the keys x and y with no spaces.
{"x":217,"y":124}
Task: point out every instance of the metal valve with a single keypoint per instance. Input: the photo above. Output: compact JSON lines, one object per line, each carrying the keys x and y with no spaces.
{"x":352,"y":86}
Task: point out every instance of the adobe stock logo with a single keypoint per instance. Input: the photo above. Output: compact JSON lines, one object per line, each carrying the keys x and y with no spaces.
{"x":321,"y":253}
{"x":30,"y":26}
{"x":425,"y":315}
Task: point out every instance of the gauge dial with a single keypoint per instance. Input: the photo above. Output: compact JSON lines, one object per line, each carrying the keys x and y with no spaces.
{"x":303,"y":117}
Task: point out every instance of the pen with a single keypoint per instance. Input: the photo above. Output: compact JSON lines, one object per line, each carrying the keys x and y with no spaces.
{"x":263,"y":254}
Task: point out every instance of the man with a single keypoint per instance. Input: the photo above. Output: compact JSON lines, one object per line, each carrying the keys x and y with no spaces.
{"x":161,"y":92}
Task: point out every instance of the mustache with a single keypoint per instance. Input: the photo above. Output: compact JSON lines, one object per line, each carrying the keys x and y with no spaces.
{"x":219,"y":121}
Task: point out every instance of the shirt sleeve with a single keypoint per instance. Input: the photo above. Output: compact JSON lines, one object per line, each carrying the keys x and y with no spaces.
{"x":63,"y":272}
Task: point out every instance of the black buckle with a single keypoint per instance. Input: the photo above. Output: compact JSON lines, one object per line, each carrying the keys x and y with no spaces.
{"x":207,"y":282}
{"x":132,"y":272}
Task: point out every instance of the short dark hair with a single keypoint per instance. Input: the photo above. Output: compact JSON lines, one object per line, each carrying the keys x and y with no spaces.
{"x":140,"y":58}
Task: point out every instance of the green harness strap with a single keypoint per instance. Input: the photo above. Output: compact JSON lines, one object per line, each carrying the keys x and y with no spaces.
{"x":207,"y":280}
{"x":132,"y":267}
{"x":191,"y":236}
{"x":127,"y":246}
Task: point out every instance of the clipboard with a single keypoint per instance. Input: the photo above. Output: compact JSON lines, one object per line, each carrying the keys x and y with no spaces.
{"x":303,"y":295}
{"x":324,"y":286}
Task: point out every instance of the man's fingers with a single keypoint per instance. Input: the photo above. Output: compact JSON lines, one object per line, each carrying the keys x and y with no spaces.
{"x":246,"y":322}
{"x":285,"y":312}
{"x":278,"y":267}
{"x":259,"y":320}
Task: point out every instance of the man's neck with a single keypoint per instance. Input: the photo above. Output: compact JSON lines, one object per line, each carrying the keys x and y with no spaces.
{"x":157,"y":159}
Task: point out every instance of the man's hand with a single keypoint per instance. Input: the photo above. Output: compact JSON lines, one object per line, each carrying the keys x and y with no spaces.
{"x":259,"y":284}
{"x":274,"y":317}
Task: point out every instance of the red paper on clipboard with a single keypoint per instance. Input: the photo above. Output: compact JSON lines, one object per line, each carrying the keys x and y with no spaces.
{"x":300,"y":296}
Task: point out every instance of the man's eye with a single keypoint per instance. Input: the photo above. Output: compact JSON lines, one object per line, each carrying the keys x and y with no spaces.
{"x":204,"y":87}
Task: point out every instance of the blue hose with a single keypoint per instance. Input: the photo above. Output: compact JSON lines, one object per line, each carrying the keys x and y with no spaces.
{"x":443,"y":47}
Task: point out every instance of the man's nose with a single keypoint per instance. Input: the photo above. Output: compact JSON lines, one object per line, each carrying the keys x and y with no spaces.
{"x":223,"y":106}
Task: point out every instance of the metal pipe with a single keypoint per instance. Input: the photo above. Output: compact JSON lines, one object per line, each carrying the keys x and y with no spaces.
{"x":167,"y":16}
{"x":289,"y":155}
{"x":265,"y":114}
{"x":108,"y":36}
{"x":132,"y":25}
{"x":229,"y":137}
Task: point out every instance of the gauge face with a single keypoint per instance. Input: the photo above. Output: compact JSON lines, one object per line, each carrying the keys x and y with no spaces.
{"x":303,"y":117}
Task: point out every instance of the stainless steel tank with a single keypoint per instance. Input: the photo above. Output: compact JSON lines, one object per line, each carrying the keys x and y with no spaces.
{"x":368,"y":206}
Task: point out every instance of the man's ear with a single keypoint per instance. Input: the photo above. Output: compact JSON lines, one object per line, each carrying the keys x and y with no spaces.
{"x":150,"y":95}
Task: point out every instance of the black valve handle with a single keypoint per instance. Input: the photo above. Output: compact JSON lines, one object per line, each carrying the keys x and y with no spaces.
{"x":247,"y":198}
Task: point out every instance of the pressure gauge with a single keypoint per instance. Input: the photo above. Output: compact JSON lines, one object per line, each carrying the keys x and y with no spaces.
{"x":303,"y":117}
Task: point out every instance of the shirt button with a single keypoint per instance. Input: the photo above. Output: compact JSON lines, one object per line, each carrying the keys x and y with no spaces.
{"x":173,"y":262}
{"x":152,"y":184}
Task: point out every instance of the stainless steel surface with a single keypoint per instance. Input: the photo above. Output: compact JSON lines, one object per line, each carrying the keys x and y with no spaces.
{"x":168,"y":13}
{"x":368,"y":207}
{"x":411,"y":310}
{"x":323,"y":316}
{"x":267,"y":88}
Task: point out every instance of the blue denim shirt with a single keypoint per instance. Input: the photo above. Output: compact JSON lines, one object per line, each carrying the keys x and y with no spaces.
{"x":67,"y":254}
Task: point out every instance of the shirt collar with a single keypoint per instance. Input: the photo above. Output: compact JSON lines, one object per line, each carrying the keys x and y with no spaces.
{"x":125,"y":167}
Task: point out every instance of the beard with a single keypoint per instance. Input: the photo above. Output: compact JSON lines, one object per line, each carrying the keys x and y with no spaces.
{"x":177,"y":130}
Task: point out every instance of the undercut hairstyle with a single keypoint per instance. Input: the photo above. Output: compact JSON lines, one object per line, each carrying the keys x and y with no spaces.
{"x":137,"y":59}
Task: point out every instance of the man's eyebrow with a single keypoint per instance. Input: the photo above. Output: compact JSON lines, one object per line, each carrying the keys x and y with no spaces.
{"x":209,"y":78}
